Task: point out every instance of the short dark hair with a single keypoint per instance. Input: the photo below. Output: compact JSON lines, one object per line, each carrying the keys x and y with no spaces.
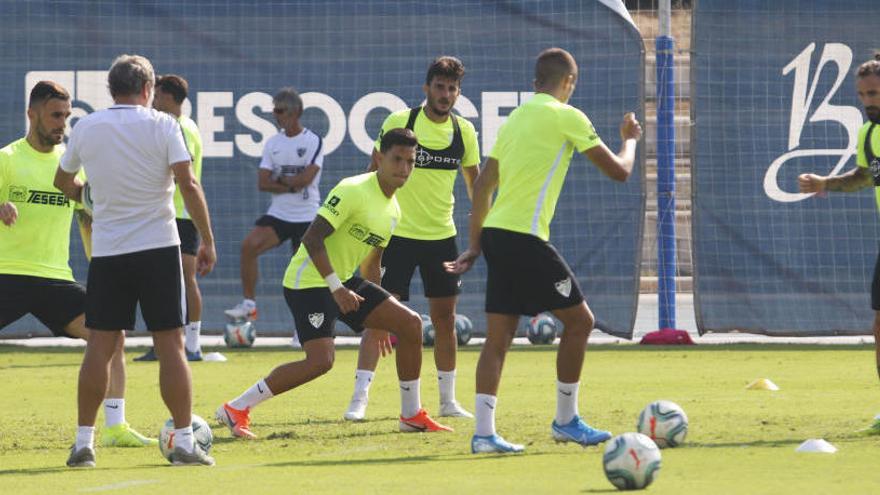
{"x":869,"y":68}
{"x":552,"y":66}
{"x":397,"y":137}
{"x":129,"y":74}
{"x":44,"y":91}
{"x":174,"y":85}
{"x":445,"y":66}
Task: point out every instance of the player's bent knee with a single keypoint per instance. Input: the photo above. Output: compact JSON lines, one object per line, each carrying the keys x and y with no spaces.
{"x":320,"y":364}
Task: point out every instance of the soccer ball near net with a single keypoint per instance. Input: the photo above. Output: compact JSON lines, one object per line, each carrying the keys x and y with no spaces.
{"x":464,"y":328}
{"x":427,"y":331}
{"x":541,"y":329}
{"x":664,"y":422}
{"x":631,"y":461}
{"x":202,"y":436}
{"x":240,"y":334}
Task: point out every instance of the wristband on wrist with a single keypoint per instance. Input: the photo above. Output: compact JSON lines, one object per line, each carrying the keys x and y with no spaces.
{"x":333,"y":282}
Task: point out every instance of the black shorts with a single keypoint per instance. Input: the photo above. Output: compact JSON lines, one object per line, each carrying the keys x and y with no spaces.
{"x":526,"y":275}
{"x":152,"y":278}
{"x":315,"y":311}
{"x":54,"y":302}
{"x":875,"y":286}
{"x":189,"y":236}
{"x":285,"y":230}
{"x":403,"y":255}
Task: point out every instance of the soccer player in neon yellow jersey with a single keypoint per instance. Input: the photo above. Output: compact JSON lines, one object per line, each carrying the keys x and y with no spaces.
{"x":352,"y":227}
{"x":528,"y":165}
{"x":35,"y":274}
{"x":425,"y":237}
{"x":169,"y":94}
{"x":866,"y":173}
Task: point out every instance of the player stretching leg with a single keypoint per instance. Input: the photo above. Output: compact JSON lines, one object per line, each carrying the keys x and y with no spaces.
{"x":528,"y":165}
{"x":35,"y":275}
{"x":353,"y":226}
{"x":425,"y":237}
{"x":866,"y":174}
{"x":291,"y":171}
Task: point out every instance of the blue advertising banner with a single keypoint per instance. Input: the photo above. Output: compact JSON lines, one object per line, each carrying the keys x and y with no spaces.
{"x":775,"y":98}
{"x":353,"y":63}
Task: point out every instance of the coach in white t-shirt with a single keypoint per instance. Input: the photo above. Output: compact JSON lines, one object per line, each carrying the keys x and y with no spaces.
{"x":132,"y":155}
{"x":290,"y":170}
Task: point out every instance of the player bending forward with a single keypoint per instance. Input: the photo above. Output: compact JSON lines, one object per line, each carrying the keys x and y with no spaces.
{"x":352,"y":226}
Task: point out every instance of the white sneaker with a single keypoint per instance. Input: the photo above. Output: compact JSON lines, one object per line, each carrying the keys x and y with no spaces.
{"x":357,"y":410}
{"x":242,"y":311}
{"x":454,"y":409}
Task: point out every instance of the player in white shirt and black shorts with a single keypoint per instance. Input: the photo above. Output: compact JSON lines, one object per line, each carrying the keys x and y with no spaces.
{"x":132,"y":156}
{"x":290,"y":170}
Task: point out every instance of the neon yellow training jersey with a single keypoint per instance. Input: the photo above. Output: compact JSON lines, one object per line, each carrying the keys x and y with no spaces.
{"x":534,"y":149}
{"x":194,"y":145}
{"x":869,"y":156}
{"x":38,"y":244}
{"x":427,"y":200}
{"x":363,"y":219}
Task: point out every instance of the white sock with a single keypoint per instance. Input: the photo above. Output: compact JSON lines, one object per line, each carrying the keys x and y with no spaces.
{"x":183,"y":438}
{"x":248,"y":303}
{"x":252,"y":397}
{"x":410,"y":398}
{"x":193,"y":329}
{"x":446,"y":383}
{"x":85,"y":437}
{"x":114,"y":412}
{"x":485,"y":414}
{"x":362,"y":381}
{"x":566,"y":402}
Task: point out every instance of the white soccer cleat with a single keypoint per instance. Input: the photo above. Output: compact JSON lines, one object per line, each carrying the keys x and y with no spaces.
{"x":242,"y":311}
{"x":357,"y":410}
{"x":454,"y":410}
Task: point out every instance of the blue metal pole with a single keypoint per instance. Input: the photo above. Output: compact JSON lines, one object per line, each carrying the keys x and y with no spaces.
{"x":665,"y":181}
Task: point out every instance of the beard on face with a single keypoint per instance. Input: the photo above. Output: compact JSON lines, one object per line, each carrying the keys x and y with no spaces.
{"x":873,"y":114}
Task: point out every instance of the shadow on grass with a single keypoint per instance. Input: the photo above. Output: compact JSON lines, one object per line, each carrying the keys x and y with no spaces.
{"x":401,"y":460}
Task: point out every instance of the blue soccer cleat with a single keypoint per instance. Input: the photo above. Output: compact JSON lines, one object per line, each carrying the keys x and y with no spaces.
{"x":579,"y":432}
{"x":194,"y":356}
{"x":493,"y":444}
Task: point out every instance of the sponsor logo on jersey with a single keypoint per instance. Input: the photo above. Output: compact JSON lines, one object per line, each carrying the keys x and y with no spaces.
{"x":20,"y":194}
{"x":424,"y":158}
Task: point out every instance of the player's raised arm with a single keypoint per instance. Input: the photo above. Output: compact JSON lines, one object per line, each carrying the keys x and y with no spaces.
{"x":619,"y":166}
{"x":313,"y":240}
{"x":854,"y":180}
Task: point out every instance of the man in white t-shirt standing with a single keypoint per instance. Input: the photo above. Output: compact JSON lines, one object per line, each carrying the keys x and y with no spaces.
{"x":132,"y":156}
{"x":290,"y":170}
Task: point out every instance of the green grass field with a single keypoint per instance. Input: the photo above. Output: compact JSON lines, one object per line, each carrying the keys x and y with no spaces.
{"x":739,"y":441}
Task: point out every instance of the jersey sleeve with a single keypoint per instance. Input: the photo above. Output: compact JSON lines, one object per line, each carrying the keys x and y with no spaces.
{"x":579,"y":131}
{"x":70,"y":161}
{"x":266,"y":160}
{"x":471,"y":156}
{"x":340,"y":203}
{"x":500,"y":142}
{"x":861,"y":156}
{"x":393,"y":121}
{"x":177,"y":150}
{"x":318,"y":154}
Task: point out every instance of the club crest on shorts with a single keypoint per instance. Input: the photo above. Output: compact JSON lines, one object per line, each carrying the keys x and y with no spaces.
{"x":316,"y":319}
{"x":564,"y":287}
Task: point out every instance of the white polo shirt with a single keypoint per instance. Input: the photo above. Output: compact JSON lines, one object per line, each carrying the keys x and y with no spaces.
{"x":287,"y":156}
{"x":127,"y":152}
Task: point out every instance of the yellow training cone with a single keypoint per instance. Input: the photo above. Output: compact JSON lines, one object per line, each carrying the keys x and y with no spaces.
{"x":762,"y":384}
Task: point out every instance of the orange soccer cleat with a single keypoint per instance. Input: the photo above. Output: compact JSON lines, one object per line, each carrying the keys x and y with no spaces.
{"x":236,"y":420}
{"x":421,"y":422}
